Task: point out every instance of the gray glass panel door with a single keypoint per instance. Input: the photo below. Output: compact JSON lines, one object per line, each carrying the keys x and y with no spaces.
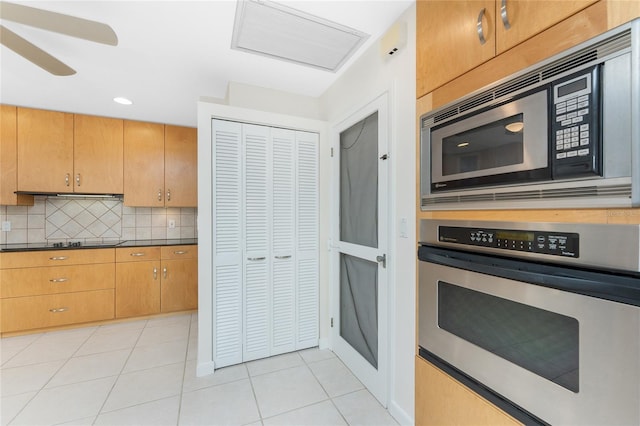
{"x":359,"y":225}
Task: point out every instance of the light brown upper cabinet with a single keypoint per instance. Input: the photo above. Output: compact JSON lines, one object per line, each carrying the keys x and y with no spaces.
{"x":160,"y":165}
{"x":181,"y":166}
{"x":455,"y":36}
{"x":60,"y":152}
{"x":97,"y":155}
{"x":9,"y":158}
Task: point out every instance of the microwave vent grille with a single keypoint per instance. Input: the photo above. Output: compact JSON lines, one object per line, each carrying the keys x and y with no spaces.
{"x":517,"y":84}
{"x":481,"y":99}
{"x":608,"y":191}
{"x":591,"y":53}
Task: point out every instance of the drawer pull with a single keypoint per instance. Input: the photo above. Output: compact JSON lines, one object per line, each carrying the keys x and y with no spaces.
{"x":59,"y":280}
{"x":58,"y":310}
{"x":181,"y":252}
{"x":138,"y":254}
{"x":283,"y":257}
{"x":59,"y":258}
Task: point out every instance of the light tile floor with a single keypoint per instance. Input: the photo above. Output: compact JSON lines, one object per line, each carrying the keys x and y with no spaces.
{"x":143,"y":373}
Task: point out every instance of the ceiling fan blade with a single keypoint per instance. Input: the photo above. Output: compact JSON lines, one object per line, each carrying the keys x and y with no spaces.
{"x":59,"y":23}
{"x":33,"y":53}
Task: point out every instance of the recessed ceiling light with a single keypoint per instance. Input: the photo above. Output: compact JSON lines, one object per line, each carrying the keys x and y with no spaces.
{"x":123,"y":101}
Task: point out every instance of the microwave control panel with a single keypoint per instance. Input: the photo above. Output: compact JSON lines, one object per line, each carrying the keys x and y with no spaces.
{"x":575,"y":130}
{"x":565,"y":244}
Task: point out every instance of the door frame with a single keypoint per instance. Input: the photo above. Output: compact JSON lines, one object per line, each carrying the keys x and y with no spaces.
{"x":379,"y":386}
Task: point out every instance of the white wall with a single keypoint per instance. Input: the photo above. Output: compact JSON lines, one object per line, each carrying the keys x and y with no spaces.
{"x":364,"y":81}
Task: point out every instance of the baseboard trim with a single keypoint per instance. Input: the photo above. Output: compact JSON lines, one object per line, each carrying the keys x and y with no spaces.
{"x":400,"y":415}
{"x":323,"y":343}
{"x":205,"y":368}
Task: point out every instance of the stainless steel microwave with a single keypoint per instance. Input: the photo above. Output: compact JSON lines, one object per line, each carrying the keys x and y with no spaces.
{"x":562,"y":133}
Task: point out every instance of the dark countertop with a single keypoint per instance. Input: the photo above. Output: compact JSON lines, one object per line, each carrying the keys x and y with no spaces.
{"x":90,"y":245}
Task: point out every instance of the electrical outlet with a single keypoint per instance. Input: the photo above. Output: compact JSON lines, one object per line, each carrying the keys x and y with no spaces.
{"x":172,"y":223}
{"x":6,"y":226}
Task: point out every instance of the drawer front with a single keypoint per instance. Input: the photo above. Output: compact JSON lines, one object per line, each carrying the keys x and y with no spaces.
{"x":137,"y":254}
{"x":180,"y":252}
{"x":30,"y":259}
{"x":26,"y":313}
{"x":56,"y":279}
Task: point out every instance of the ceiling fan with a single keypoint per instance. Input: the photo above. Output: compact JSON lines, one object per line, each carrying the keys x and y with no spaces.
{"x":50,"y":21}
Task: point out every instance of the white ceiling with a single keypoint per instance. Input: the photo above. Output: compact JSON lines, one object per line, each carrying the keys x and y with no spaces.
{"x":169,"y":54}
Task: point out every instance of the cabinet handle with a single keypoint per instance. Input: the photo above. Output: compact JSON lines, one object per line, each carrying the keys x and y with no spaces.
{"x":66,"y":179}
{"x":164,"y":272}
{"x":181,"y":252}
{"x":283,"y":257}
{"x":58,"y":258}
{"x":160,"y":194}
{"x":138,"y":254}
{"x":168,"y":195}
{"x":504,"y":15}
{"x":253,"y":259}
{"x":78,"y":179}
{"x":155,"y":273}
{"x":479,"y":27}
{"x":58,"y":310}
{"x":59,"y":280}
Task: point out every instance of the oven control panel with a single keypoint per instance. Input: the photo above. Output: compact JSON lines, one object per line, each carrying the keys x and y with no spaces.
{"x":564,"y":244}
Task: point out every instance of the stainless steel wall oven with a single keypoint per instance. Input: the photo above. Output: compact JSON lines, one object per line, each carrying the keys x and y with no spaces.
{"x":541,"y":318}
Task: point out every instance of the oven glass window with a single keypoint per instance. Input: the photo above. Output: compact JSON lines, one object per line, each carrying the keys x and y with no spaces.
{"x":543,"y":342}
{"x":496,"y":144}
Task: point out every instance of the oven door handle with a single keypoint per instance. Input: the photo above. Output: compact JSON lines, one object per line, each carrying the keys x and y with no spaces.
{"x":610,"y":286}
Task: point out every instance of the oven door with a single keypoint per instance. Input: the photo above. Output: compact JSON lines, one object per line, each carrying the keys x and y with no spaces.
{"x":564,"y":357}
{"x":504,"y":145}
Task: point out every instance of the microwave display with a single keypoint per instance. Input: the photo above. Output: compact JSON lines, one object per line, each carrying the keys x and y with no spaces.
{"x":497,"y":144}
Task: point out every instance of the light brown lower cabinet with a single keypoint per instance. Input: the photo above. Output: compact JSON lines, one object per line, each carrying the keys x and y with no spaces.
{"x":442,"y":400}
{"x":54,"y":288}
{"x":41,"y":289}
{"x":150,"y":280}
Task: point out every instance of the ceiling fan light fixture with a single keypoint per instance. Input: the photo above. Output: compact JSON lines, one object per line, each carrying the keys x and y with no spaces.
{"x":270,"y":29}
{"x":122,"y":101}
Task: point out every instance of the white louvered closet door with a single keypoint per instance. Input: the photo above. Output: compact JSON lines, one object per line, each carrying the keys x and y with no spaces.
{"x":283,"y":283}
{"x":307,"y":240}
{"x":257,"y":258}
{"x":227,"y":244}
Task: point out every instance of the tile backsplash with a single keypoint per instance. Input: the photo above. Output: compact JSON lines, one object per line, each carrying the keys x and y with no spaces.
{"x":54,"y":219}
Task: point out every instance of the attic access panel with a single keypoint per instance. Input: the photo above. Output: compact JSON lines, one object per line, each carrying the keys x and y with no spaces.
{"x":274,"y":30}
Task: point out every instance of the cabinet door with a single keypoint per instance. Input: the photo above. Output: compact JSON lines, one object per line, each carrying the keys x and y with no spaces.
{"x":143,"y":164}
{"x":45,"y":151}
{"x":307,"y":240}
{"x":227,"y":242}
{"x":97,"y":155}
{"x":9,"y":158}
{"x":447,"y":41}
{"x":257,"y":196}
{"x":179,"y":288}
{"x":180,"y":166}
{"x":283,"y":283}
{"x":137,"y":288}
{"x":530,"y":17}
{"x":441,"y":400}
